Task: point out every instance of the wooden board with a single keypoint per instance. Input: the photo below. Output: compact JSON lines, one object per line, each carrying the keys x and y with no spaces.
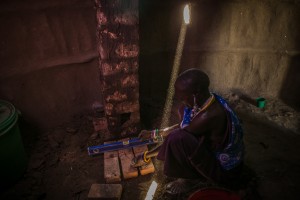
{"x":112,"y":171}
{"x":105,"y":191}
{"x":126,"y":156}
{"x":146,"y":169}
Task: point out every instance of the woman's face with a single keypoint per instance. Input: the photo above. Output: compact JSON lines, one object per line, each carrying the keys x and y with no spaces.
{"x":183,"y":93}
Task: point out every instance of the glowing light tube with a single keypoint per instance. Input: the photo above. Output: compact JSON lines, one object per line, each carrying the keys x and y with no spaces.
{"x":151,"y":191}
{"x":186,"y":14}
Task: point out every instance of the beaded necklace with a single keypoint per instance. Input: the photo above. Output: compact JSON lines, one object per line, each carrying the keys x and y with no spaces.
{"x":206,"y":104}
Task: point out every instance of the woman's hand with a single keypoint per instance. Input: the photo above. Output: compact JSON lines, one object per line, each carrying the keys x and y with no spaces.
{"x":144,"y":135}
{"x":138,"y":161}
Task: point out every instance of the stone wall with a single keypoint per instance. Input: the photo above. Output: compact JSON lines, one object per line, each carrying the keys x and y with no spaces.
{"x":118,"y":46}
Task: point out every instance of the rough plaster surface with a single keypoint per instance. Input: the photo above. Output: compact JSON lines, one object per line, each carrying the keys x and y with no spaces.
{"x":53,"y":96}
{"x":49,"y":59}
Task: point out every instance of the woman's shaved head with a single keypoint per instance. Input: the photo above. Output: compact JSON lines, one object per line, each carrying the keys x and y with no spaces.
{"x":193,"y":80}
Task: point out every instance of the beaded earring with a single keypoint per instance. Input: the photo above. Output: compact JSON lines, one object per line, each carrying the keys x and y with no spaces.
{"x":195,"y":107}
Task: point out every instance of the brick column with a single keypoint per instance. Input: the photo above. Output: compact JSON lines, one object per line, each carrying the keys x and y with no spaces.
{"x":118,"y":46}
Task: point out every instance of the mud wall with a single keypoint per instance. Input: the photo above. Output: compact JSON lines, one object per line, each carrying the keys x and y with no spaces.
{"x":248,"y":45}
{"x":49,"y":59}
{"x":251,"y":46}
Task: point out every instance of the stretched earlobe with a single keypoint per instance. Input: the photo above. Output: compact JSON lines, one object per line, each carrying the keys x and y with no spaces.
{"x":195,"y":107}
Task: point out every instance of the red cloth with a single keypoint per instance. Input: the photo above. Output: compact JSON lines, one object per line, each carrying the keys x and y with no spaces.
{"x":214,"y":194}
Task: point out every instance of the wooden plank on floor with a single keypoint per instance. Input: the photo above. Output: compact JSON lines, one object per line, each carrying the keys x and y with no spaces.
{"x":105,"y":191}
{"x":112,"y":171}
{"x":110,"y":154}
{"x":146,"y":169}
{"x":126,"y":156}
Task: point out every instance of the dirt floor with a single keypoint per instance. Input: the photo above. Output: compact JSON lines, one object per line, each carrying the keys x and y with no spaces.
{"x":59,"y":167}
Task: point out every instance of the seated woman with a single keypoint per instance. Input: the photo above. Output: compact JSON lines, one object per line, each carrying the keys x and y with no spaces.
{"x":206,"y":145}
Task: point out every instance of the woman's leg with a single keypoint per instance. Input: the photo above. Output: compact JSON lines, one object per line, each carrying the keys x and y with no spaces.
{"x":175,"y":152}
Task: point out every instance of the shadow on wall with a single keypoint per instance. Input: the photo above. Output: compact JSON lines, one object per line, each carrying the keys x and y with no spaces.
{"x":290,"y":89}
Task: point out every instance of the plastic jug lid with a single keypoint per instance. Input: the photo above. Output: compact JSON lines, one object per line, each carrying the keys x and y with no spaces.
{"x":7,"y":113}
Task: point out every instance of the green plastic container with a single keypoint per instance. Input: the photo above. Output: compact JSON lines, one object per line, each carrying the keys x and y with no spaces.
{"x":13,"y":160}
{"x":260,"y":102}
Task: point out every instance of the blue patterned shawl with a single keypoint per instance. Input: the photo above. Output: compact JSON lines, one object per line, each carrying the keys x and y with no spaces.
{"x":233,"y":153}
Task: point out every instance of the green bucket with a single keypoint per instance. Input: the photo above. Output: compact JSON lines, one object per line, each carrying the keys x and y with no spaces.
{"x":13,"y":160}
{"x":260,"y":102}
